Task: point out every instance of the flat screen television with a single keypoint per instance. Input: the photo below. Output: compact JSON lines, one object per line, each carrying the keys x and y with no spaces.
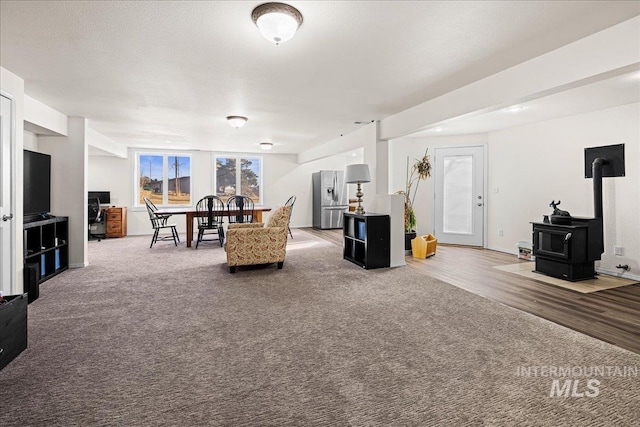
{"x":104,"y":196}
{"x":37,"y":184}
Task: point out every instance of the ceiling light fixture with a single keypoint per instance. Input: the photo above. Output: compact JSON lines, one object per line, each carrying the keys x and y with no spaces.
{"x":437,"y":129}
{"x":237,"y":121}
{"x":514,"y":109}
{"x":266,"y":146}
{"x":277,"y":22}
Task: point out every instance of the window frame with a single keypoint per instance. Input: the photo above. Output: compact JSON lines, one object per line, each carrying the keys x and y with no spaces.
{"x":165,"y":154}
{"x":238,"y":158}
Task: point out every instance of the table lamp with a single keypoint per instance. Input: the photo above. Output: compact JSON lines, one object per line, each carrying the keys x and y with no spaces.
{"x":357,"y":174}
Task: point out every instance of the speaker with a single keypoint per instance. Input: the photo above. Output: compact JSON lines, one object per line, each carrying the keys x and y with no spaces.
{"x":32,"y":281}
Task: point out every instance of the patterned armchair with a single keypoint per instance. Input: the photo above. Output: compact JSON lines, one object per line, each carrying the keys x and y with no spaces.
{"x":255,"y":243}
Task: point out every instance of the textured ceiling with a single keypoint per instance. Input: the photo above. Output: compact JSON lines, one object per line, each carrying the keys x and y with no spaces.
{"x":166,"y":74}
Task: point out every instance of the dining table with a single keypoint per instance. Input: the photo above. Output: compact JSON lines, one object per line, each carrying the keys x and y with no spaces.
{"x":191,"y":213}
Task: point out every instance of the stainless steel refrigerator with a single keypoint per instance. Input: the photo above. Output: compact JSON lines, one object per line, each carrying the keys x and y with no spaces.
{"x":329,"y":199}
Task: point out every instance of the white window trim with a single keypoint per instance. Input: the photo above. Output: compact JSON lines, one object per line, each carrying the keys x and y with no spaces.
{"x":165,"y":154}
{"x":238,"y":158}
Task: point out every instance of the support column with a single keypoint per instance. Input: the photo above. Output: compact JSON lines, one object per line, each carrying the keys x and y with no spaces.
{"x":69,"y":181}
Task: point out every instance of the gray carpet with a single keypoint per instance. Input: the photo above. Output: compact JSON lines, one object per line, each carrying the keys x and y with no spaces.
{"x":166,"y":336}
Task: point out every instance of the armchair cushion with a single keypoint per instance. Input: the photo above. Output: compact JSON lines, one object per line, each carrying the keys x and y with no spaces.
{"x":248,"y":244}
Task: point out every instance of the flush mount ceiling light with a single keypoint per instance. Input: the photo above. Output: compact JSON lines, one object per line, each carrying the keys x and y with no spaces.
{"x":237,"y":121}
{"x":277,"y":22}
{"x":266,"y":145}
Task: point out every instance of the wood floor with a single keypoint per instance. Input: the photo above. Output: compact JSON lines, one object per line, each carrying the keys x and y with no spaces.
{"x":611,"y":315}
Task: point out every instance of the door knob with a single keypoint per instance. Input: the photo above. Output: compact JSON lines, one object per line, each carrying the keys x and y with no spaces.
{"x":7,"y":217}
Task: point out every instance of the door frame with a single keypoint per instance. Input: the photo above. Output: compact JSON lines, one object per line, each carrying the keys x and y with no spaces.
{"x":13,"y":283}
{"x":485,"y":188}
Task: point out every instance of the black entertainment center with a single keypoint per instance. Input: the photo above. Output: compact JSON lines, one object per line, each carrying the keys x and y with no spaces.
{"x":46,"y":237}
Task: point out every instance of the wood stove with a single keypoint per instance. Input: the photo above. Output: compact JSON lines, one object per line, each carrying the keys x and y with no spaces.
{"x":569,"y":250}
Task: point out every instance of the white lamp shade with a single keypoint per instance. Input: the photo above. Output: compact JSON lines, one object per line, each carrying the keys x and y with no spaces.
{"x":357,"y":173}
{"x":277,"y":22}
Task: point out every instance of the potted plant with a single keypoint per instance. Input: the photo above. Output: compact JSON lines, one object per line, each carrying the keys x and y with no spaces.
{"x":420,"y":170}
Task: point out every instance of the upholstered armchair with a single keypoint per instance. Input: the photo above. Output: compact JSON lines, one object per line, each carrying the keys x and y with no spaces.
{"x":258,"y":243}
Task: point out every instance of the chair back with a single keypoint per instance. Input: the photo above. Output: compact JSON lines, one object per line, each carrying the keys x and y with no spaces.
{"x":150,"y":204}
{"x":291,"y":201}
{"x":93,"y":210}
{"x":240,"y":209}
{"x":210,"y":212}
{"x":156,"y":222}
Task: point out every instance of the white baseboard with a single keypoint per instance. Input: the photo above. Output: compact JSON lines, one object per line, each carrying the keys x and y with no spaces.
{"x":623,"y":274}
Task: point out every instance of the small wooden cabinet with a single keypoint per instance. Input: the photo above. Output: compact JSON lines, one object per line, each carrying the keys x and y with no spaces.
{"x":116,"y":222}
{"x":367,"y":240}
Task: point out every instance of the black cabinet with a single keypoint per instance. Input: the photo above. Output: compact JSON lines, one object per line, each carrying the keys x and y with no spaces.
{"x":46,"y":246}
{"x":367,"y":240}
{"x":13,"y":328}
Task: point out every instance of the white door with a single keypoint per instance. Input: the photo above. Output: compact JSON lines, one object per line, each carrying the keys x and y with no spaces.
{"x":7,"y":273}
{"x":459,"y":195}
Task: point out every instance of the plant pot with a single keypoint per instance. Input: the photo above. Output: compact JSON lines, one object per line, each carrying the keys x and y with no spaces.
{"x":408,"y":236}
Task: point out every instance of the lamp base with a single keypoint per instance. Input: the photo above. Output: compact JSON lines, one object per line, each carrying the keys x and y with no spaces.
{"x":359,"y":194}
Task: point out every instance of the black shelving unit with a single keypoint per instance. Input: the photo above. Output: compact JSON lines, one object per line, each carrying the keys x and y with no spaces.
{"x":46,"y":243}
{"x":366,"y":240}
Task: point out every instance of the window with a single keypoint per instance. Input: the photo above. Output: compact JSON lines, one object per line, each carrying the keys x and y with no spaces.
{"x":248,"y":178}
{"x":164,"y":178}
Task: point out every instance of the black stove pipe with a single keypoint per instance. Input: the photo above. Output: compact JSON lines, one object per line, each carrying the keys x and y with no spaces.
{"x":596,"y":169}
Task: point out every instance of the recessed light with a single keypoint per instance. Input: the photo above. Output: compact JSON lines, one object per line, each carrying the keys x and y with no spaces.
{"x":437,"y":129}
{"x":266,"y":145}
{"x":515,"y":108}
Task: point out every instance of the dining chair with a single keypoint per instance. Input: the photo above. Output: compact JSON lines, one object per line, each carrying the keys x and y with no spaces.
{"x":159,"y":222}
{"x":242,"y":208}
{"x":150,"y":205}
{"x":290,"y":202}
{"x":210,"y":214}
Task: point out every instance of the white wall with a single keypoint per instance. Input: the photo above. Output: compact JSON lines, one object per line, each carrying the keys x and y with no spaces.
{"x":30,"y":141}
{"x":69,"y":184}
{"x":414,"y":148}
{"x":283,"y":177}
{"x":533,"y":164}
{"x":528,"y":166}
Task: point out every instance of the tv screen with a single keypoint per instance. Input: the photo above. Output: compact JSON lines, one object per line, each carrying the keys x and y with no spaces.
{"x":104,"y":196}
{"x":37,"y":183}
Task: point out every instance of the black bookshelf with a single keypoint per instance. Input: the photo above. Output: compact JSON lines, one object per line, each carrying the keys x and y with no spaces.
{"x":367,"y":240}
{"x":46,"y":246}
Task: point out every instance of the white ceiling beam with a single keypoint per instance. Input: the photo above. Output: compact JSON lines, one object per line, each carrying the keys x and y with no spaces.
{"x":42,"y":119}
{"x":587,"y":60}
